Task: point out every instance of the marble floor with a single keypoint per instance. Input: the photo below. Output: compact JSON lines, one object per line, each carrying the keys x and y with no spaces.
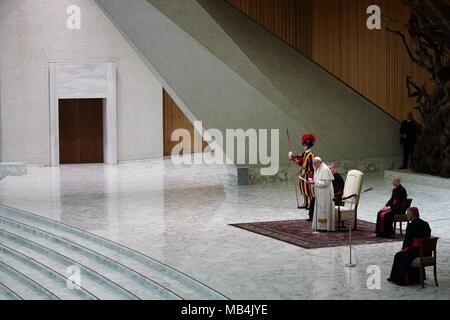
{"x":180,"y":215}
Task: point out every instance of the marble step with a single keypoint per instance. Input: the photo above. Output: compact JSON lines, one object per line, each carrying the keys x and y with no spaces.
{"x":92,"y":281}
{"x":12,"y":169}
{"x":137,"y":285}
{"x":6,"y":293}
{"x":23,"y":286}
{"x":46,"y":277}
{"x":170,"y":278}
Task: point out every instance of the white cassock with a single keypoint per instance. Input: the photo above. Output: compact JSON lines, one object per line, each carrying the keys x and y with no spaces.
{"x":324,"y":214}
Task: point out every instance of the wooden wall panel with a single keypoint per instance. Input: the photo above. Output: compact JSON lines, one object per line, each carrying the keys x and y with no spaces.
{"x":333,"y":34}
{"x":326,"y":35}
{"x":289,"y":20}
{"x":174,"y":119}
{"x":363,"y":52}
{"x":350,"y":42}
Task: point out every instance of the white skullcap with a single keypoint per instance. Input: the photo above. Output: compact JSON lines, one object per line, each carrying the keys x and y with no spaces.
{"x":318,"y":159}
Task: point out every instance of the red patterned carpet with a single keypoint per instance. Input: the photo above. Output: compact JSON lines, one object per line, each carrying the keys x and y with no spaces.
{"x":299,"y":233}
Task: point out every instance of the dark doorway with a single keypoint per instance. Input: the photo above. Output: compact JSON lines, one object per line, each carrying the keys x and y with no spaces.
{"x":80,"y":131}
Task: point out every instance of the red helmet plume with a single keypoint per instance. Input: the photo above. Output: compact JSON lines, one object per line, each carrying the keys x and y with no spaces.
{"x":309,"y":136}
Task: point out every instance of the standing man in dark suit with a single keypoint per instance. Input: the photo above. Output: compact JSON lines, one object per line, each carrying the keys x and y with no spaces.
{"x":408,"y":131}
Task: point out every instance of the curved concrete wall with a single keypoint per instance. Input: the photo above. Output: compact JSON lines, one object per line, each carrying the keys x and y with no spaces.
{"x":231,"y":73}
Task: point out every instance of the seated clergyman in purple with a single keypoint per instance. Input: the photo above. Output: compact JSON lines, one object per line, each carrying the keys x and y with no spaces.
{"x":396,"y":205}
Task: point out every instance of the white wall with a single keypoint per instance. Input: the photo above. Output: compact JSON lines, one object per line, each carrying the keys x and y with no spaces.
{"x":32,"y":34}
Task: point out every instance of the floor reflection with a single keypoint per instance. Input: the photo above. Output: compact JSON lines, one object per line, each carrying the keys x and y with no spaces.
{"x":180,"y":215}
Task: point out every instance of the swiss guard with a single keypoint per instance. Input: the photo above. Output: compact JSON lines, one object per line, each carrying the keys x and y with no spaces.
{"x":305,"y":160}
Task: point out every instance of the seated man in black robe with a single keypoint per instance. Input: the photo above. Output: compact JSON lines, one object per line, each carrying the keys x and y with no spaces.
{"x":396,"y":205}
{"x":402,"y":273}
{"x":338,"y":183}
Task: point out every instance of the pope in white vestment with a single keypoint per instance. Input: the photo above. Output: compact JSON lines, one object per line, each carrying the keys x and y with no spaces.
{"x":324,"y":210}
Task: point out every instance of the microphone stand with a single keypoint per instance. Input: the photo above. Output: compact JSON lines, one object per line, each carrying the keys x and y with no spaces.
{"x":351,"y":264}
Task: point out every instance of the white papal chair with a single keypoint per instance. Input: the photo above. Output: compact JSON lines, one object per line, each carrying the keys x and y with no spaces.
{"x":350,"y":199}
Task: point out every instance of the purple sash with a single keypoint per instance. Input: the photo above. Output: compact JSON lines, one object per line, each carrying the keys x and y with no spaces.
{"x":416,"y":243}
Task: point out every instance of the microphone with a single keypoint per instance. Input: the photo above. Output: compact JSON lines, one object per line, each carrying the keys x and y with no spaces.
{"x":357,"y":194}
